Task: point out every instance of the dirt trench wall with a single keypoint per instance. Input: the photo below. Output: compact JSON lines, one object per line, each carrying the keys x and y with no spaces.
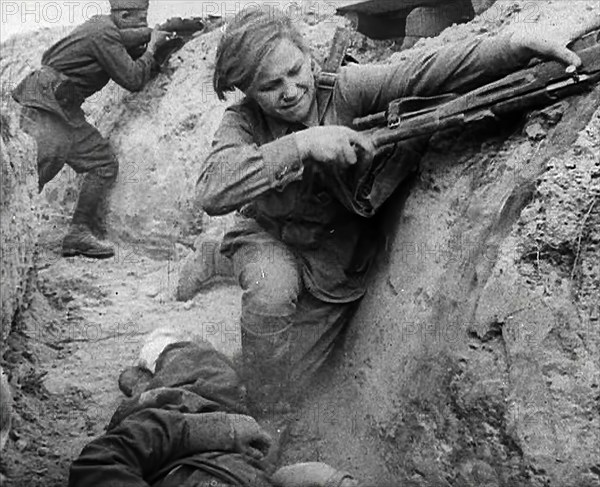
{"x":25,"y":215}
{"x":19,"y":226}
{"x":473,"y":358}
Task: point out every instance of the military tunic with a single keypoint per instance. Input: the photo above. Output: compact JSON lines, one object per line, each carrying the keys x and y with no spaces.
{"x":72,"y":70}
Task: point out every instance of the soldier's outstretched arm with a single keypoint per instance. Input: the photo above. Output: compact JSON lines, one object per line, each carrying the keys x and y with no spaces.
{"x":459,"y":67}
{"x":550,"y":41}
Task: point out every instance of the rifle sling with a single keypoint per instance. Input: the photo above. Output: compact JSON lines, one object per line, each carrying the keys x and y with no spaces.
{"x":328,"y":76}
{"x":325,"y":85}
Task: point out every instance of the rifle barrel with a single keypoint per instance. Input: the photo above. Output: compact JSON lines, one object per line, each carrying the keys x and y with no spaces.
{"x":416,"y":128}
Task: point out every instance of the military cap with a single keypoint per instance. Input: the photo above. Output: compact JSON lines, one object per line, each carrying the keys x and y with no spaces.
{"x":129,"y":4}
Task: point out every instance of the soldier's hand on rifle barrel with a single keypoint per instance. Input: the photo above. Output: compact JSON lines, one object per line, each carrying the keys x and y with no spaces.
{"x":334,"y":144}
{"x":157,"y":38}
{"x":550,"y":41}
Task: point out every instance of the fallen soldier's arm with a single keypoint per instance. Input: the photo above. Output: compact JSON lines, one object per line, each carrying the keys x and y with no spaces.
{"x":147,"y":441}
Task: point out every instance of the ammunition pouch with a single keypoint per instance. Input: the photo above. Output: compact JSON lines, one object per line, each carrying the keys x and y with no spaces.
{"x":50,"y":90}
{"x":65,"y":94}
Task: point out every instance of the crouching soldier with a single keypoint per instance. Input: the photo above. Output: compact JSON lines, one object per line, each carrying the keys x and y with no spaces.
{"x":73,"y":69}
{"x":306,"y":184}
{"x":186,"y":424}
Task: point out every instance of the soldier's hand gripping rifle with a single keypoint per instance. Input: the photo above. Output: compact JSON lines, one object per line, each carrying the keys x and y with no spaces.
{"x":537,"y":86}
{"x":181,"y":30}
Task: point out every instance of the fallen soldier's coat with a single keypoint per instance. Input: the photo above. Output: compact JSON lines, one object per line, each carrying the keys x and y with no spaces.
{"x":180,"y":430}
{"x":177,"y":432}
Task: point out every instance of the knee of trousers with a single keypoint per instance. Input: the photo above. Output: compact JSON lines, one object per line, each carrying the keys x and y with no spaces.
{"x":270,"y":295}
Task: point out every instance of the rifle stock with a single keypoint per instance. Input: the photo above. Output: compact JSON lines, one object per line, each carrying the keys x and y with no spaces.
{"x":533,"y":87}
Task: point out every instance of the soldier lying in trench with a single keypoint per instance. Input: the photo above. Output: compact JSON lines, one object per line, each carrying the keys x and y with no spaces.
{"x":186,"y":424}
{"x":285,"y":158}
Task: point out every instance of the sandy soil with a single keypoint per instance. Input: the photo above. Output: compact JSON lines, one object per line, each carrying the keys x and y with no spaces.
{"x":85,"y":325}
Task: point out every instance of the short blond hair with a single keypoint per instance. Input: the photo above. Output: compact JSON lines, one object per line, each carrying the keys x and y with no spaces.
{"x":250,"y":37}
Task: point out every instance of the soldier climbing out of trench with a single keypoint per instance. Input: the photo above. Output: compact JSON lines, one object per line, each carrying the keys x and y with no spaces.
{"x":72,"y":70}
{"x":285,"y":158}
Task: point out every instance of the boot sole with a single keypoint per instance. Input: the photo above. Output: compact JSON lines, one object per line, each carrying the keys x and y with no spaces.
{"x":76,"y":253}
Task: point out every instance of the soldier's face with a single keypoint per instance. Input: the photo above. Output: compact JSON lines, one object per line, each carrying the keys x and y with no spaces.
{"x":285,"y":85}
{"x":131,"y":19}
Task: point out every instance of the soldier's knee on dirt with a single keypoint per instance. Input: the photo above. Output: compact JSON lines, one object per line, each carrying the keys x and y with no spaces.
{"x":270,"y":290}
{"x":270,"y":278}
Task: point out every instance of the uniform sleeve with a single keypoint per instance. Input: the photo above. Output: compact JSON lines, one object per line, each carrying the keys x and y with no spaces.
{"x":146,"y":442}
{"x":108,"y":48}
{"x":237,"y":170}
{"x":454,"y":68}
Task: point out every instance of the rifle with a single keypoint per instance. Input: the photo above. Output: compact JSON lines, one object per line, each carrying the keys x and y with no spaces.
{"x":542,"y":84}
{"x":182,"y":30}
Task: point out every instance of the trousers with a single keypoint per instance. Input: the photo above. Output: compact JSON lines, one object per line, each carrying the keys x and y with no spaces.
{"x":83,"y":148}
{"x":287,"y":333}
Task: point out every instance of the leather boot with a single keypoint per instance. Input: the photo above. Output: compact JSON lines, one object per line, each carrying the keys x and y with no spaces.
{"x":201,"y":269}
{"x":97,"y":223}
{"x":92,"y":204}
{"x":81,"y":241}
